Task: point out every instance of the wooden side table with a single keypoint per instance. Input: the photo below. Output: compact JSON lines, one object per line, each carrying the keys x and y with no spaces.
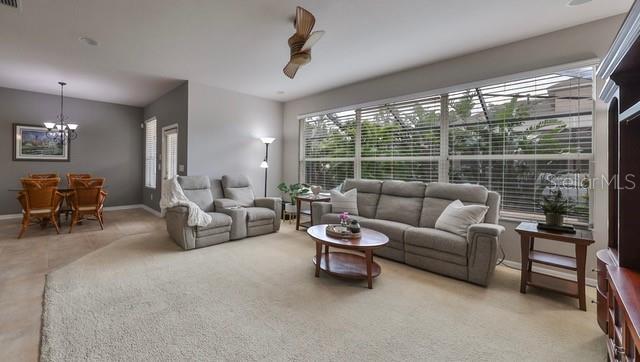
{"x":581,"y":239}
{"x":310,"y":198}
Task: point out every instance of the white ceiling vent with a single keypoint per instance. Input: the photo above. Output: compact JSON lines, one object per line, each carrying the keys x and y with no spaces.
{"x":11,"y":3}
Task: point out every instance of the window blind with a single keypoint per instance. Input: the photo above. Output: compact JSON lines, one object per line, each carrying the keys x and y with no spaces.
{"x":150,"y":153}
{"x":329,"y":148}
{"x":171,"y":154}
{"x":523,"y":138}
{"x":401,"y":141}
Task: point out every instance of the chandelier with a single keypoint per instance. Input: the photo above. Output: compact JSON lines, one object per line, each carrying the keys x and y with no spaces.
{"x":61,"y":130}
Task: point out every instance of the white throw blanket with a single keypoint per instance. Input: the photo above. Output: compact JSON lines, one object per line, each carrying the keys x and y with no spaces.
{"x":172,"y":195}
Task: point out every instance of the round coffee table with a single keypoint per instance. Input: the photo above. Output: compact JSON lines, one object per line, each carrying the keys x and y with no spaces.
{"x":347,"y":265}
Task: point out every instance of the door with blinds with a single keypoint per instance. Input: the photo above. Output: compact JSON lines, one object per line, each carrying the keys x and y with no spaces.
{"x":169,"y":152}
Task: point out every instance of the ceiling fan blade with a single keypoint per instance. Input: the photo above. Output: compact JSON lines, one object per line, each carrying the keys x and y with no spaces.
{"x":304,"y":22}
{"x":290,"y":69}
{"x":313,"y":38}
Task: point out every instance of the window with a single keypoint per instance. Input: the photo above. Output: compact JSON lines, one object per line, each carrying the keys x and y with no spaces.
{"x":150,"y":153}
{"x":170,"y":157}
{"x":329,"y":148}
{"x":521,"y":138}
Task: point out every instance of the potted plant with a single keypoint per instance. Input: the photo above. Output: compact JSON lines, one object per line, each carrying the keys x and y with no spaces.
{"x":555,"y":207}
{"x":293,"y":190}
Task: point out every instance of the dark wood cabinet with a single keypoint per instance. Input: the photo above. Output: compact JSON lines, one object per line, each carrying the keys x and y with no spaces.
{"x":618,"y":292}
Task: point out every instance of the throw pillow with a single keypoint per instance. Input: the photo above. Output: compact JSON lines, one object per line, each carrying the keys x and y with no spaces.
{"x":347,"y":202}
{"x":243,"y":195}
{"x":457,"y":217}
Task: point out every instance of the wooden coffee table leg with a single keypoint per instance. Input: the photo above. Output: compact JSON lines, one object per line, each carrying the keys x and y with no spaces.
{"x":318,"y":258}
{"x":369,"y":258}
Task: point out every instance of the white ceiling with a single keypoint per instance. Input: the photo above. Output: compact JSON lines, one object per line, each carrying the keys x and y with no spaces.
{"x":147,"y":46}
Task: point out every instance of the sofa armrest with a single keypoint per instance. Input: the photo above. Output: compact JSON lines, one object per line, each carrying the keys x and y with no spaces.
{"x":482,"y":251}
{"x":318,"y":209}
{"x":487,"y":229}
{"x":220,"y":204}
{"x":182,"y":234}
{"x":238,"y":221}
{"x":273,"y":203}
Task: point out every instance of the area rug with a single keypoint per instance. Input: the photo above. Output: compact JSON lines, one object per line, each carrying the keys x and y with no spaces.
{"x":143,"y":299}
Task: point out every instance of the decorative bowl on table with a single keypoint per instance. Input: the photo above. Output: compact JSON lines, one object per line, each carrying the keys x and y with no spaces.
{"x":341,"y":232}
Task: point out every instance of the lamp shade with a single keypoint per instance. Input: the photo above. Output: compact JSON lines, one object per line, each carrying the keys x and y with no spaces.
{"x":264,"y":164}
{"x":72,"y":126}
{"x":49,"y":125}
{"x":267,"y":140}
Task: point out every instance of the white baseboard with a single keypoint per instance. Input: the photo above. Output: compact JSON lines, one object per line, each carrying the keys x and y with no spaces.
{"x":516,"y":265}
{"x":150,"y":210}
{"x":108,"y":208}
{"x":10,"y":216}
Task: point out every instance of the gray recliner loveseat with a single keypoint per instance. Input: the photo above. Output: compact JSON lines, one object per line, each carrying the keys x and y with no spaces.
{"x":407,"y":212}
{"x":230,"y":221}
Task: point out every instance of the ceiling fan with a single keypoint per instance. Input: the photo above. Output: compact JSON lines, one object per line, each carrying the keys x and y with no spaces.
{"x":301,"y":41}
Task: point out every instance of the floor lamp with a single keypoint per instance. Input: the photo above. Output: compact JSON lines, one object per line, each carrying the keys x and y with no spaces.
{"x":265,"y":164}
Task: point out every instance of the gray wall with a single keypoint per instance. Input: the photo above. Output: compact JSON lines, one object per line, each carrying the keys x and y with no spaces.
{"x":578,"y":43}
{"x":169,"y":109}
{"x":224,"y":132}
{"x":108,"y":144}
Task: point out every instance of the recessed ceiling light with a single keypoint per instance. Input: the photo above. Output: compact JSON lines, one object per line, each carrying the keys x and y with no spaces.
{"x":88,"y":41}
{"x":280,"y":92}
{"x":577,"y":2}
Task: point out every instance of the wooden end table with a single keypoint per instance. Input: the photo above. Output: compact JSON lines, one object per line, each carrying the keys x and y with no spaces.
{"x":347,"y":265}
{"x":581,"y":239}
{"x":310,"y":198}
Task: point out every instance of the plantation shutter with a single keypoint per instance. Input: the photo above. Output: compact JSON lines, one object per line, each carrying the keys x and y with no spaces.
{"x":525,"y":138}
{"x":401,"y":141}
{"x":329,"y":148}
{"x":150,"y":153}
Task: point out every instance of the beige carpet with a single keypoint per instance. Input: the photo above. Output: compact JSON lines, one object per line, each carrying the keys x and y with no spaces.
{"x":257,"y":299}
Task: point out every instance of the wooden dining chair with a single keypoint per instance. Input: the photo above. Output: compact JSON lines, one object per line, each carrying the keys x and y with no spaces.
{"x":43,"y":175}
{"x":40,"y":201}
{"x":87,"y":199}
{"x":71,"y":176}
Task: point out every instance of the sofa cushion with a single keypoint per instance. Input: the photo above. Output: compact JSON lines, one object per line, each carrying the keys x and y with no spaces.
{"x":467,"y":193}
{"x":194,"y":182}
{"x":439,"y":195}
{"x":457,"y":217}
{"x":235,"y":181}
{"x":401,"y":201}
{"x":393,"y":230}
{"x":219,"y":223}
{"x":344,"y":202}
{"x":398,"y":208}
{"x":435,"y":254}
{"x":436,"y":239}
{"x":403,"y":188}
{"x":243,"y":195}
{"x":197,"y":189}
{"x":368,"y":195}
{"x":260,"y":213}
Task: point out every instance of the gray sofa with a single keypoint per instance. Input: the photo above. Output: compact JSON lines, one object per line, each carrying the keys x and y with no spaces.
{"x":230,"y":221}
{"x":407,"y":212}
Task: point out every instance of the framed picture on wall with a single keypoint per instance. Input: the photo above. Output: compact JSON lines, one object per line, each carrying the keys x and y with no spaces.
{"x":31,"y":143}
